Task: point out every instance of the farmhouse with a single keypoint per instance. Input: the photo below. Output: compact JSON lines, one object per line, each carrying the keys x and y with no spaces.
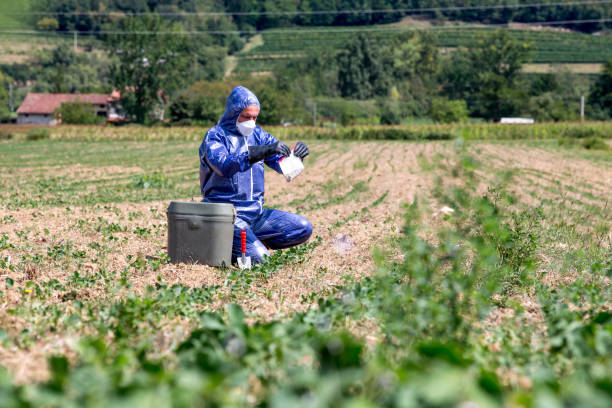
{"x":39,"y":108}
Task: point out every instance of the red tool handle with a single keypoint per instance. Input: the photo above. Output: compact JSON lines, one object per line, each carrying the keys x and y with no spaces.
{"x":243,"y":241}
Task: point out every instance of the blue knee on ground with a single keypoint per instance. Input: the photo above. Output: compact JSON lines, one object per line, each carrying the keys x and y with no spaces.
{"x":304,"y":232}
{"x":297,"y":232}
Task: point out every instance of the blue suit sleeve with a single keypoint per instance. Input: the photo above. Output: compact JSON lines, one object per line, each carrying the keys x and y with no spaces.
{"x":218,"y":157}
{"x":271,"y":162}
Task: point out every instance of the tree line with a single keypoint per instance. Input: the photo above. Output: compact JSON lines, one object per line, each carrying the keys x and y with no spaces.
{"x":263,"y":14}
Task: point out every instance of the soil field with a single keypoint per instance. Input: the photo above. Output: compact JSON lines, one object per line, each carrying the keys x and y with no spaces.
{"x":83,"y":233}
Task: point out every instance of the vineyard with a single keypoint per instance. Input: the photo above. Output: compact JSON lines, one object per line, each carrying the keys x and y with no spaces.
{"x":280,"y":46}
{"x":455,"y":272}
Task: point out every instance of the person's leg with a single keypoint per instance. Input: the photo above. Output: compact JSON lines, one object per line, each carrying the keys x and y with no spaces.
{"x":280,"y":229}
{"x":254,"y":248}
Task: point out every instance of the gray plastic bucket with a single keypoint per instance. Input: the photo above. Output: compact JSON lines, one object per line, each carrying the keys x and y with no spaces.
{"x":200,"y":233}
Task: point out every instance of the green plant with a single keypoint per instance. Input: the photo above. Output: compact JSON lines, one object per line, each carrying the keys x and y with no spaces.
{"x":427,"y":307}
{"x":594,"y":143}
{"x":446,"y":111}
{"x":78,"y":113}
{"x":38,"y":134}
{"x":390,"y":114}
{"x":154,"y":180}
{"x":47,"y":24}
{"x":9,"y":219}
{"x":239,"y":279}
{"x":503,"y":302}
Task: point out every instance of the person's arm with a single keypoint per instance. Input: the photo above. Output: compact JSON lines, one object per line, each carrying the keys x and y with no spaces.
{"x":272,"y":161}
{"x":219,"y":159}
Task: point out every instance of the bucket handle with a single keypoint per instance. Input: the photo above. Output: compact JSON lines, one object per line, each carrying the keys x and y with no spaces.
{"x":193,"y":225}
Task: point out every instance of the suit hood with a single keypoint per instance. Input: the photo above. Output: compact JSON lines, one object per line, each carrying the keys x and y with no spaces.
{"x":237,"y":101}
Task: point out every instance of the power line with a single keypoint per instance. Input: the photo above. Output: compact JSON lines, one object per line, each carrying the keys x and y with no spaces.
{"x":314,"y":12}
{"x":322,"y":102}
{"x":305,"y":31}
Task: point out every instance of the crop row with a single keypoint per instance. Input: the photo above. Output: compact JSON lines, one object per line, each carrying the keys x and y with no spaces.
{"x":488,"y":131}
{"x":548,"y":46}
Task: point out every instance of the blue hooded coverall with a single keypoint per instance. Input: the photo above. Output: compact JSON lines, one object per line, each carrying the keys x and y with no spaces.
{"x":227,"y":176}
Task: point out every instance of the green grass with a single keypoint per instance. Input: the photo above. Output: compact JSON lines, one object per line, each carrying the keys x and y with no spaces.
{"x":151,"y":173}
{"x":10,"y":21}
{"x":149,"y":155}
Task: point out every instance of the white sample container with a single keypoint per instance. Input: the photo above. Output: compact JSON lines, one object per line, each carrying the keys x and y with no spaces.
{"x":291,"y":166}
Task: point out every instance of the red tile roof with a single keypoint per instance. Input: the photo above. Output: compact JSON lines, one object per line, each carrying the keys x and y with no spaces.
{"x":44,"y":103}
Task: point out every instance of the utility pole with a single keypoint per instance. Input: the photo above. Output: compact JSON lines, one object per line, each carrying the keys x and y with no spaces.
{"x":11,"y":100}
{"x":314,"y":113}
{"x":582,"y":108}
{"x":75,"y":41}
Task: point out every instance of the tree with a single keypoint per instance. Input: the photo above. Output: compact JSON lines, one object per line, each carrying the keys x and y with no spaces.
{"x":600,"y":95}
{"x":413,"y":55}
{"x":446,"y":111}
{"x":413,"y":61}
{"x":500,"y":54}
{"x":4,"y":96}
{"x":277,"y":20}
{"x":61,"y":70}
{"x":277,"y":105}
{"x":62,"y":58}
{"x":47,"y":24}
{"x":459,"y":77}
{"x":486,"y":76}
{"x":361,"y":72}
{"x":151,"y":60}
{"x":243,"y":7}
{"x":195,"y":107}
{"x":66,"y":19}
{"x":549,"y":107}
{"x":497,"y":97}
{"x":315,"y":75}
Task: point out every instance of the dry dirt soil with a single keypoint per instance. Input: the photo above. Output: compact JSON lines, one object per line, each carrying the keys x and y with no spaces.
{"x":352,"y":193}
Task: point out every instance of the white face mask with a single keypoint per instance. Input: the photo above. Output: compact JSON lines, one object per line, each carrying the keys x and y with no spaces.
{"x":246,"y":128}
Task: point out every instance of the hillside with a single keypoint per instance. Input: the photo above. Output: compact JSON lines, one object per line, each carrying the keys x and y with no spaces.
{"x":550,"y":46}
{"x":576,"y":51}
{"x":10,"y":21}
{"x":19,"y":47}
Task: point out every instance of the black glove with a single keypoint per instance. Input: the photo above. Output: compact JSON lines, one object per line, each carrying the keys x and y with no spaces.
{"x":301,"y":150}
{"x":257,"y":153}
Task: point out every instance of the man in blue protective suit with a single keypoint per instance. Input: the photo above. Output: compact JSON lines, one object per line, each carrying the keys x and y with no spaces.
{"x":232,"y":155}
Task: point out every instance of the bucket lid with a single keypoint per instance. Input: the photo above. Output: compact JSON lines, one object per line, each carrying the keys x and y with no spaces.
{"x":199,"y":208}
